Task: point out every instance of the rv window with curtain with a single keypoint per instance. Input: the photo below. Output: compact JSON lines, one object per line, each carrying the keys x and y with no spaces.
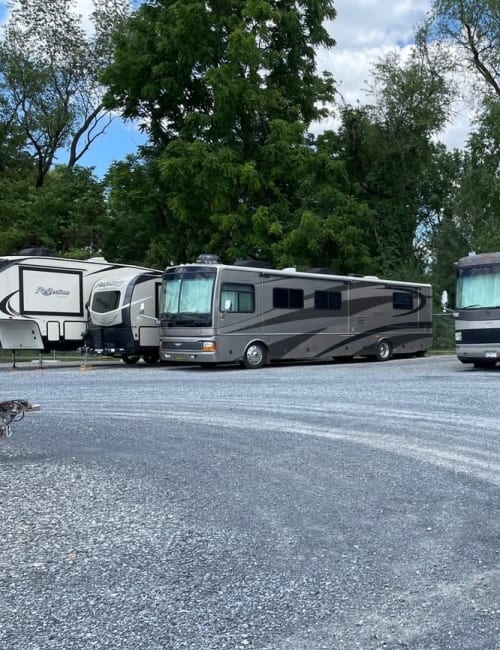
{"x":478,"y":287}
{"x":237,"y":298}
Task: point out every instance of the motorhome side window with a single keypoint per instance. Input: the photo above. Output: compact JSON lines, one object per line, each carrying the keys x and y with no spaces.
{"x":402,"y":300}
{"x":237,"y":297}
{"x":327,"y":300}
{"x":288,"y":298}
{"x":105,"y":301}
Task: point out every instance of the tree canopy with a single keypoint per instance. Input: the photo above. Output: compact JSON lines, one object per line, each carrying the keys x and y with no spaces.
{"x":50,"y":90}
{"x":228,"y":95}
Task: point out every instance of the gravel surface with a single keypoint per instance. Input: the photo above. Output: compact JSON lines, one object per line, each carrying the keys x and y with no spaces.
{"x":341,"y":506}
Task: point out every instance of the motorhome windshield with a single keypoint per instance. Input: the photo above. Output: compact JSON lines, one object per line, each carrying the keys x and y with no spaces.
{"x":187,"y":297}
{"x":478,"y":286}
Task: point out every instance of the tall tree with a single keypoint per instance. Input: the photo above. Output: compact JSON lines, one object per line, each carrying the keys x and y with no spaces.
{"x":477,"y":203}
{"x":66,"y":214}
{"x":226,"y":92}
{"x":472,"y":27}
{"x":49,"y":76}
{"x":389,"y":151}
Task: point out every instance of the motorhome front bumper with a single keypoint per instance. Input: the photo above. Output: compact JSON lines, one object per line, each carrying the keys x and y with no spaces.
{"x":200,"y":351}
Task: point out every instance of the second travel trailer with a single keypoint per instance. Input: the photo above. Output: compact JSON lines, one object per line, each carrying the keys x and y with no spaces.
{"x":123,"y":312}
{"x":44,"y":299}
{"x":213,"y":313}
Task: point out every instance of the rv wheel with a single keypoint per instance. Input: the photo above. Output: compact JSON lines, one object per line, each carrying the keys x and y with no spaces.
{"x":384,"y":350}
{"x":255,"y":356}
{"x":129,"y":360}
{"x":151,"y":358}
{"x":488,"y":363}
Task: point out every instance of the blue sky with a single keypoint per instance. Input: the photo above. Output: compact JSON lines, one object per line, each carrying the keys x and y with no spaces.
{"x":365,"y":30}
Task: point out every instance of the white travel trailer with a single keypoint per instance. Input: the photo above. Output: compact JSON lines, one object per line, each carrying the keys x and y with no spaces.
{"x":43,"y":300}
{"x":123,"y":312}
{"x":214,"y":313}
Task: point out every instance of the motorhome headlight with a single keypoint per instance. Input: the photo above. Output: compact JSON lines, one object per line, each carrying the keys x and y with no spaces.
{"x":209,"y":346}
{"x":458,"y":337}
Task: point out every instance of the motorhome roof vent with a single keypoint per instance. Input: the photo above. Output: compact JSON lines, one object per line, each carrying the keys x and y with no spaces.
{"x":208,"y":258}
{"x":38,"y":250}
{"x":363,"y":277}
{"x":323,"y":270}
{"x":97,"y":259}
{"x":256,"y":264}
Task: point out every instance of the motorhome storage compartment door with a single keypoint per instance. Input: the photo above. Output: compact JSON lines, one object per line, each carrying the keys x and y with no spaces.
{"x":51,"y":291}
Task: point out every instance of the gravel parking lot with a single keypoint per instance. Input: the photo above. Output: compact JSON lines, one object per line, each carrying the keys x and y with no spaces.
{"x":343,"y":506}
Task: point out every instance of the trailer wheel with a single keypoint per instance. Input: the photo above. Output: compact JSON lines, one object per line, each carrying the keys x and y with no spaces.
{"x":129,"y":359}
{"x":255,"y":356}
{"x":384,"y":350}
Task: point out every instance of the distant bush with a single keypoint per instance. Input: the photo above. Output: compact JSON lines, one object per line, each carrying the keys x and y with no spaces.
{"x":443,"y":332}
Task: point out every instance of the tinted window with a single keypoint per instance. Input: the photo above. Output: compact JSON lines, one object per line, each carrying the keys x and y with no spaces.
{"x":104,"y":301}
{"x":327,"y":299}
{"x":402,"y":300}
{"x":288,"y":298}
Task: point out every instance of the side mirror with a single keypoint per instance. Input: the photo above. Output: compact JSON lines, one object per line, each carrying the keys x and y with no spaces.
{"x":444,"y":300}
{"x":143,"y":315}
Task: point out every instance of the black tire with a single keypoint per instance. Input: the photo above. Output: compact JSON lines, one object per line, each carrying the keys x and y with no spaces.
{"x":384,"y":350}
{"x":151,"y":357}
{"x":485,"y":364}
{"x":255,"y":356}
{"x":129,"y":359}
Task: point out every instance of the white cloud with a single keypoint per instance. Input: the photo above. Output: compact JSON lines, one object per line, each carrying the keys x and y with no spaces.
{"x":365,"y":31}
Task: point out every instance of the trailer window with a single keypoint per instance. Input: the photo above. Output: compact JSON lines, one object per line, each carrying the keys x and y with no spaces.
{"x":402,"y":300}
{"x":237,"y":298}
{"x":327,"y":299}
{"x":288,"y":298}
{"x":104,"y":301}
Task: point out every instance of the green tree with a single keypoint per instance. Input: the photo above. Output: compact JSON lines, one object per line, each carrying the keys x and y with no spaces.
{"x":477,"y":204}
{"x":389,"y":152}
{"x":466,"y":36}
{"x":136,"y":214}
{"x":66,"y":214}
{"x":472,"y":28}
{"x":226,"y":92}
{"x":49,"y":77}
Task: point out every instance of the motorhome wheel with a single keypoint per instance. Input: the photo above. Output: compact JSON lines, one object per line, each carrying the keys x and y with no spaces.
{"x":384,"y":350}
{"x":130,"y":360}
{"x":255,"y":356}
